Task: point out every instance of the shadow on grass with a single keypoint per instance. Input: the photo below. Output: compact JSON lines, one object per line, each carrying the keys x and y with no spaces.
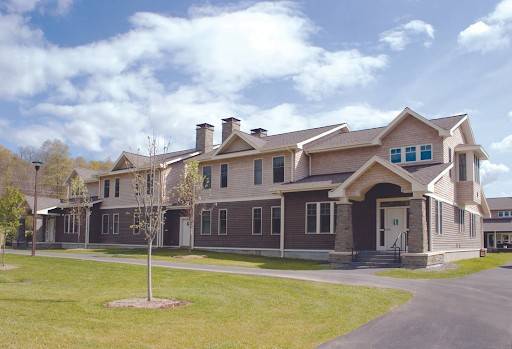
{"x":27,"y":300}
{"x":217,"y":258}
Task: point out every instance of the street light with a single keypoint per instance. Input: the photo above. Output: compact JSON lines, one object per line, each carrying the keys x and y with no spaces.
{"x":37,"y":166}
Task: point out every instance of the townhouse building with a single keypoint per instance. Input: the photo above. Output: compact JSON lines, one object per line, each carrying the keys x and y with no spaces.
{"x":411,"y":187}
{"x":498,"y":227}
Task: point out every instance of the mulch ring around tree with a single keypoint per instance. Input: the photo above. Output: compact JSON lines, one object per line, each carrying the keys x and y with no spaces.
{"x":142,"y":303}
{"x":8,"y":267}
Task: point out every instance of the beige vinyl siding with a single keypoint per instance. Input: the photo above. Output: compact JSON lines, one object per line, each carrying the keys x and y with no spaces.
{"x":237,"y":145}
{"x":240,"y":177}
{"x":374,"y":175}
{"x":452,"y":238}
{"x":301,"y":165}
{"x":171,"y":179}
{"x":445,"y":188}
{"x":126,"y":197}
{"x":452,"y":142}
{"x":92,"y":188}
{"x":409,"y":132}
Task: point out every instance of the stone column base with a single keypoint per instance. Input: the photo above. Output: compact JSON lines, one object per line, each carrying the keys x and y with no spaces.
{"x":422,"y":260}
{"x":340,"y":259}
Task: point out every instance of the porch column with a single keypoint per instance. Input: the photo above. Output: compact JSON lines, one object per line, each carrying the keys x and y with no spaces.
{"x":494,"y":242}
{"x":417,"y":237}
{"x":87,"y":225}
{"x":344,"y":241}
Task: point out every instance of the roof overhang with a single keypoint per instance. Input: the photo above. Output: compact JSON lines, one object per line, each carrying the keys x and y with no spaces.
{"x":295,"y":187}
{"x":234,"y":135}
{"x":323,"y":134}
{"x":340,"y":191}
{"x":476,"y":148}
{"x":409,"y":112}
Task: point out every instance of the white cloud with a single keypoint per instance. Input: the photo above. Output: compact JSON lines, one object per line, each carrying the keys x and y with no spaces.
{"x":504,"y":145}
{"x":59,"y":7}
{"x":106,"y":95}
{"x":401,"y":36}
{"x":490,"y":33}
{"x":491,"y":172}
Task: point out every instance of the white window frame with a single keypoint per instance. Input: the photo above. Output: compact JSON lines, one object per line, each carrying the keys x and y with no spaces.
{"x":113,"y":224}
{"x":115,"y":182}
{"x":261,"y":218}
{"x":403,"y":153}
{"x":253,"y":171}
{"x":227,"y":175}
{"x":272,"y":220}
{"x":103,"y":225}
{"x":66,"y":220}
{"x":218,"y":221}
{"x":318,"y":217}
{"x":136,"y":230}
{"x":105,"y":181}
{"x":472,"y":225}
{"x":439,"y":217}
{"x":415,"y":153}
{"x":284,"y":168}
{"x":211,"y":176}
{"x":201,"y":221}
{"x":462,"y":220}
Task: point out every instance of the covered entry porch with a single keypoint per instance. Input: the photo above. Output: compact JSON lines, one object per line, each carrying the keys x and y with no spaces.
{"x":383,"y":207}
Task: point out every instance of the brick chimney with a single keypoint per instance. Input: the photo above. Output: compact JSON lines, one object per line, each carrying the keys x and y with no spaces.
{"x":204,"y":137}
{"x":259,"y":132}
{"x":228,"y":126}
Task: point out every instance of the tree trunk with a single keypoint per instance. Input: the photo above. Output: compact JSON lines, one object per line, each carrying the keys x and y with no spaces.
{"x":150,"y":283}
{"x":191,"y":225}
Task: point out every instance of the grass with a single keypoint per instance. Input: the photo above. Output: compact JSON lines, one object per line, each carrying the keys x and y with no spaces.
{"x":463,"y":268}
{"x":58,"y":303}
{"x":205,"y":257}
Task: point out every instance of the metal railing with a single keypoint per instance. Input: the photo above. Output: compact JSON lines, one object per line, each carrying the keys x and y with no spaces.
{"x":400,"y":245}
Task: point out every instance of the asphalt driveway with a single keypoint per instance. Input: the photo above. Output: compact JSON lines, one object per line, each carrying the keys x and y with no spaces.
{"x":471,"y":312}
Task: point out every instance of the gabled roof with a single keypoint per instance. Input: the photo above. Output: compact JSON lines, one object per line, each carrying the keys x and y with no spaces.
{"x":372,"y":136}
{"x":43,"y":203}
{"x":86,"y":174}
{"x":288,"y":140}
{"x":142,"y":161}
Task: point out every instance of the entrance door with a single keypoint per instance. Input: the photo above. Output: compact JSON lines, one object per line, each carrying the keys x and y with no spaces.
{"x":184,"y":232}
{"x":50,"y":229}
{"x":395,"y":222}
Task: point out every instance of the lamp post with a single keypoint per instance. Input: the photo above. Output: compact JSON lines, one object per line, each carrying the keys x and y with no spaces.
{"x":37,"y":166}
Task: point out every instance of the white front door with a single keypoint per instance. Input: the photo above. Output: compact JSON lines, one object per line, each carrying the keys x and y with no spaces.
{"x":184,"y":231}
{"x":50,"y":229}
{"x":395,"y":222}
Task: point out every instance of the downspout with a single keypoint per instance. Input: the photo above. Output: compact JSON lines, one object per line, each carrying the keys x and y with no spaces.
{"x":292,"y":165}
{"x":87,"y":225}
{"x":281,"y":236}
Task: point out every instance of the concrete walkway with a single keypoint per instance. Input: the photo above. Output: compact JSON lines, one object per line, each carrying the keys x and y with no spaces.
{"x":472,"y":312}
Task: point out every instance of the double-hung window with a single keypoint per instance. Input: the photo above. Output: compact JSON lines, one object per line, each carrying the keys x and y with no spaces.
{"x":223,"y":175}
{"x":472,"y":226}
{"x":476,"y":168}
{"x":257,"y":221}
{"x":395,"y":155}
{"x":116,"y":188}
{"x":223,"y":221}
{"x":66,"y":224}
{"x":105,"y":223}
{"x":136,"y":223}
{"x":320,"y":218}
{"x":276,"y":220}
{"x":115,"y":224}
{"x":410,"y":154}
{"x":439,"y":217}
{"x":106,"y":188}
{"x":206,"y":222}
{"x":207,"y":177}
{"x":461,"y":220}
{"x":462,"y":167}
{"x":258,"y":171}
{"x":149,"y":183}
{"x":278,"y":169}
{"x":426,"y":152}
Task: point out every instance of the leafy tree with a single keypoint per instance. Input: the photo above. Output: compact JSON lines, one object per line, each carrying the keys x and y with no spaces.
{"x":189,"y":191}
{"x":11,"y":209}
{"x":82,"y":200}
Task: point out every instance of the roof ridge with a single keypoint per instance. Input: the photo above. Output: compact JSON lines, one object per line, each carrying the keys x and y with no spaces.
{"x":305,"y":129}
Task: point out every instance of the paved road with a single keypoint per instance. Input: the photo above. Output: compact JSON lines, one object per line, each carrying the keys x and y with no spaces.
{"x":472,"y":312}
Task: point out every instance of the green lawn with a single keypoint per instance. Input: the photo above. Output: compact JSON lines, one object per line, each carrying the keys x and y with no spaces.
{"x":58,"y":303}
{"x":463,"y":268}
{"x":205,"y":257}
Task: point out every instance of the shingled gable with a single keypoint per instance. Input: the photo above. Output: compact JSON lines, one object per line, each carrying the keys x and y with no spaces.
{"x":248,"y":142}
{"x":124,"y":161}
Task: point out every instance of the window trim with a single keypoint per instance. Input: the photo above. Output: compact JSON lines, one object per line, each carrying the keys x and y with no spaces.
{"x":136,"y":230}
{"x":403,"y":153}
{"x":284,"y":168}
{"x":462,"y":220}
{"x":254,"y":171}
{"x":459,"y":163}
{"x":117,"y":187}
{"x":218,"y":221}
{"x":204,"y":177}
{"x":201,"y":220}
{"x":105,"y":181}
{"x":103,"y":225}
{"x":272,"y":220}
{"x":261,"y":220}
{"x":318,"y":229}
{"x":472,"y":225}
{"x":114,"y":222}
{"x":439,"y":217}
{"x":220,"y":175}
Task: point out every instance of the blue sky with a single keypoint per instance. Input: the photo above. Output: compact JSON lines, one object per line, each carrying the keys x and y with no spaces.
{"x":102,"y":75}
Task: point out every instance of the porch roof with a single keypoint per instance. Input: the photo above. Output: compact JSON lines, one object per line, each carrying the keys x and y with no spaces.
{"x":498,"y":225}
